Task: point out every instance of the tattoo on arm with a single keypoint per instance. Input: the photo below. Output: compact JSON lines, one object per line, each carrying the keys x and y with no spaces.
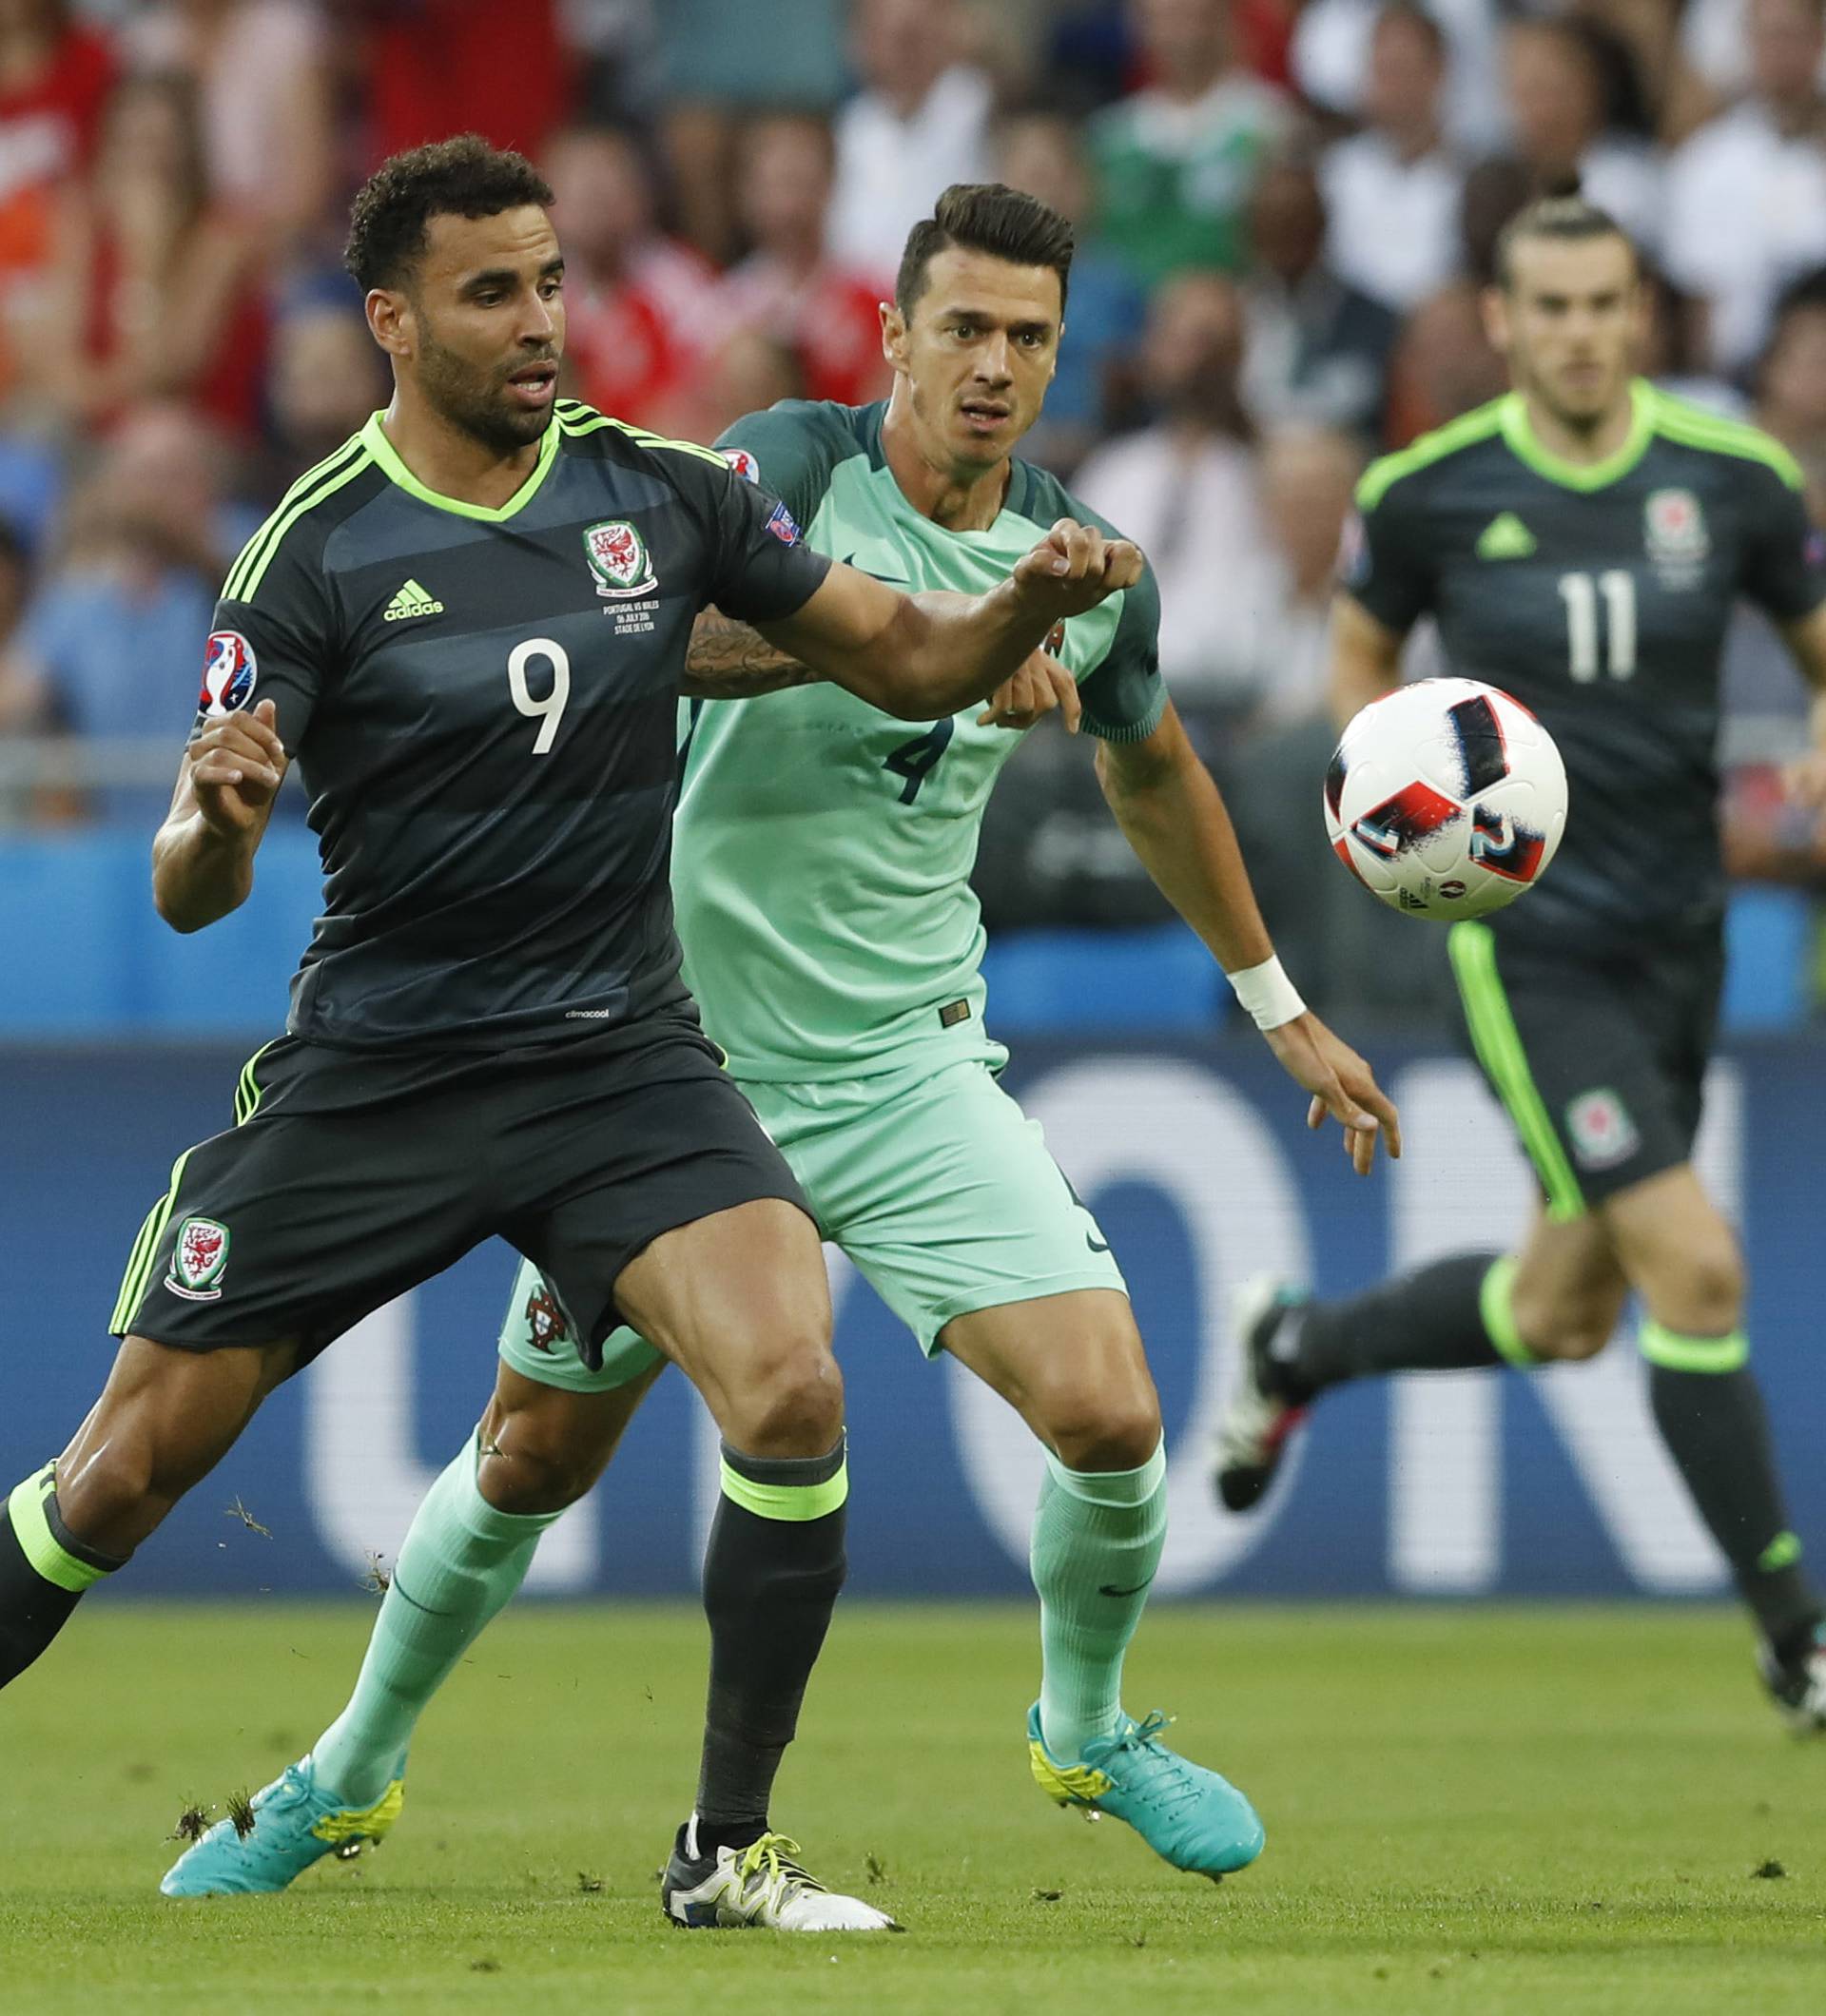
{"x":731,"y":661}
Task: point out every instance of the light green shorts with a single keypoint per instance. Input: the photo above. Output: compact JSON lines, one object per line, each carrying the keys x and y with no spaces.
{"x":936,"y":1184}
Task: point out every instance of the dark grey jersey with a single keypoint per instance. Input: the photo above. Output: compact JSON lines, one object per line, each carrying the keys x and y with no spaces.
{"x":482,"y":703}
{"x":1599,"y":597}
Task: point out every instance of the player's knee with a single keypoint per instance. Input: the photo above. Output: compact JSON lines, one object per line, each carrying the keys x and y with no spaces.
{"x":1698,"y":1290}
{"x":1565,"y":1325}
{"x":1099,"y":1423}
{"x":791,"y":1400}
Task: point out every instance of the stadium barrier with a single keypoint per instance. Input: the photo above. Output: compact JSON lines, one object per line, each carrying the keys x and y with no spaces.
{"x":1193,"y":1152}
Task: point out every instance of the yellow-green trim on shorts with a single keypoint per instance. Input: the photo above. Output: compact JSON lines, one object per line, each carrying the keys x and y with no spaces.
{"x":1498,"y":1044}
{"x":138,"y":1277}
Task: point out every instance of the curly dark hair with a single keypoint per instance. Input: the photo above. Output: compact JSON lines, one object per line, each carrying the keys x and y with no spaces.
{"x":462,"y":177}
{"x":985,"y":217}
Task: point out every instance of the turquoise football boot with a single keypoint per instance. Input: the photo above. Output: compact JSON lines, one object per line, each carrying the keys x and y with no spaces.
{"x":295,"y":1824}
{"x":1190,"y":1817}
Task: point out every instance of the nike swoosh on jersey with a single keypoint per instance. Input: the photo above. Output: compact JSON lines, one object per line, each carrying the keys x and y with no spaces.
{"x":887,"y":580}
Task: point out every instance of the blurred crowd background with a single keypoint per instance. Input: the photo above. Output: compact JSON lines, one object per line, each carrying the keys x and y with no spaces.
{"x":1285,"y":210}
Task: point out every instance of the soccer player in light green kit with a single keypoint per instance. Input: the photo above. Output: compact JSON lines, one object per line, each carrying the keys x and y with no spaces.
{"x":821,"y":879}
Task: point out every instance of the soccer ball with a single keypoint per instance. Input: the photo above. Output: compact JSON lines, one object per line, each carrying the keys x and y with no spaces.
{"x":1446,"y":797}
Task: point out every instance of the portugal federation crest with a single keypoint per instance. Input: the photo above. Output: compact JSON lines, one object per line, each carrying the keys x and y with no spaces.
{"x":619,"y":559}
{"x":199,"y":1257}
{"x":545,"y":1324}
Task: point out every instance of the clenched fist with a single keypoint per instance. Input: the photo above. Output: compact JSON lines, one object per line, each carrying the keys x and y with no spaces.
{"x":1073,"y":568}
{"x":236,"y":766}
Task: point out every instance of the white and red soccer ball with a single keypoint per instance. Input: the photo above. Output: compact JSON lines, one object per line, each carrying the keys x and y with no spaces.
{"x":1447,"y":799}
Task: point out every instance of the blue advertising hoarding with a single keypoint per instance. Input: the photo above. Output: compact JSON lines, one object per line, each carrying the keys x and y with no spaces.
{"x":1195,"y":1159}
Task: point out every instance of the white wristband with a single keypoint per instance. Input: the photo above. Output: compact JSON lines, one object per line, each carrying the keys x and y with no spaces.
{"x":1267,"y":992}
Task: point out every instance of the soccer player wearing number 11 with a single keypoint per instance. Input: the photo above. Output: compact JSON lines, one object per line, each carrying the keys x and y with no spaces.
{"x":1580,"y":543}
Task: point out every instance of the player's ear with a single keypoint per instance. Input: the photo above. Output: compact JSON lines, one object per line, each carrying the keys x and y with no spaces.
{"x":893,"y":336}
{"x":390,"y":320}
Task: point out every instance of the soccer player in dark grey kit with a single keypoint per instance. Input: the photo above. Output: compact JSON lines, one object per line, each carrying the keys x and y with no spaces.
{"x":1580,"y":543}
{"x":470,"y":625}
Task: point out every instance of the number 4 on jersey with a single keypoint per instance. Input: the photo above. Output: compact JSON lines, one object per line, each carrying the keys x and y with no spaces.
{"x":915,"y":760}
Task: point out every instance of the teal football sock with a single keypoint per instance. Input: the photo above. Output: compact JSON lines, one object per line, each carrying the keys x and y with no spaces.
{"x":458,"y":1566}
{"x":1097,"y":1535}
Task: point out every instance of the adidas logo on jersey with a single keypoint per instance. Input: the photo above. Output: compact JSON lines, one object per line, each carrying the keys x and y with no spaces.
{"x":412,"y":600}
{"x":1506,"y":538}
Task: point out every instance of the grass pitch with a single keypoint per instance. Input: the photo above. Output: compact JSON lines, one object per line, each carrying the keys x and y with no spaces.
{"x":1485,"y":1811}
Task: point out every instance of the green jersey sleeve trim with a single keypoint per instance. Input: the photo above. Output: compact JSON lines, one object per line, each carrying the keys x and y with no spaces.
{"x":1462,"y":433}
{"x":794,"y":449}
{"x":310,"y":490}
{"x":583,"y":419}
{"x":1692,"y":427}
{"x":374,"y":437}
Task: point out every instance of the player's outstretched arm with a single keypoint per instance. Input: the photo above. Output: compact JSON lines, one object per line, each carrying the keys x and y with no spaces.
{"x":1366,"y":658}
{"x":730,"y":660}
{"x":202,"y":856}
{"x":921,"y":658}
{"x":1173,"y":816}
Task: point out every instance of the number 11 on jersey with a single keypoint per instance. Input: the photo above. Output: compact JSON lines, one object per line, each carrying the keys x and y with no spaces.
{"x":1580,"y":593}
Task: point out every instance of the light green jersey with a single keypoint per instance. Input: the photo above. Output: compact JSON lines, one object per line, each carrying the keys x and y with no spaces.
{"x":823,"y":849}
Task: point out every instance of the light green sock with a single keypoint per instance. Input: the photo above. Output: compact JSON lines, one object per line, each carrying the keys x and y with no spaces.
{"x":1097,"y":1535}
{"x":458,"y":1566}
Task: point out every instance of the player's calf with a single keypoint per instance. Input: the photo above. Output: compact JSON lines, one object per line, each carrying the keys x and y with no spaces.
{"x":163,"y":1421}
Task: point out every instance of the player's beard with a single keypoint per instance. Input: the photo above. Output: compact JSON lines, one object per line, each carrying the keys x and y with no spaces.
{"x":1584,"y":417}
{"x":475,"y":400}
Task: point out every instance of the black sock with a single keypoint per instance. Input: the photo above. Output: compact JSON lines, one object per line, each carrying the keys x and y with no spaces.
{"x":43,"y":1571}
{"x":771,"y":1574}
{"x":1432,"y":1319}
{"x":1718,"y":1433}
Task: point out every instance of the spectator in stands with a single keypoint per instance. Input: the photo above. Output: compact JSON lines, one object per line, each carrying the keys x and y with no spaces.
{"x":155,"y":293}
{"x":1176,"y":160}
{"x":260,"y":72}
{"x":1043,"y":154}
{"x":1563,"y":76}
{"x":788,"y":287}
{"x":433,"y":67}
{"x":1791,"y":382}
{"x":1318,"y":350}
{"x":325,"y":377}
{"x":1331,"y":63}
{"x":21,"y":694}
{"x":720,"y":61}
{"x":55,"y":80}
{"x":747,"y":372}
{"x":641,"y":306}
{"x":1746,"y":208}
{"x":920,"y":122}
{"x":1392,"y":191}
{"x":112,"y":645}
{"x":1185,"y":486}
{"x":1306,"y":478}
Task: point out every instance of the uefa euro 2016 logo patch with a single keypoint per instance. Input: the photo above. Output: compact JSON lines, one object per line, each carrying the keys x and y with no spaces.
{"x":199,"y":1257}
{"x":743,"y":463}
{"x":619,"y":559}
{"x":230,"y":672}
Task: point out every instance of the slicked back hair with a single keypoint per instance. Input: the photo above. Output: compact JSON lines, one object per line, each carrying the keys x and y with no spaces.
{"x":463,"y":177}
{"x":1564,"y":217}
{"x":990,"y":218}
